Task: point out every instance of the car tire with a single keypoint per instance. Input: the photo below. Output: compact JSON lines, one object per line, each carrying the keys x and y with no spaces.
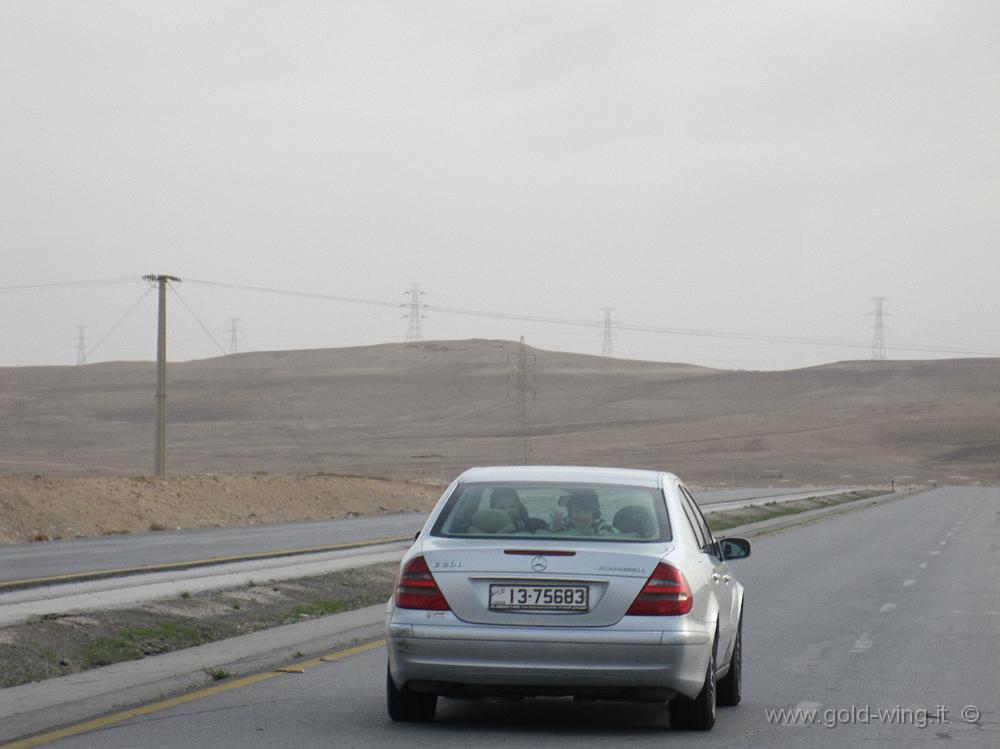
{"x":697,"y":714}
{"x":407,"y":706}
{"x":730,"y":688}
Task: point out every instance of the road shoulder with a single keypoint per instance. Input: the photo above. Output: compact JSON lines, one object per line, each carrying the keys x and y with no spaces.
{"x":30,"y":709}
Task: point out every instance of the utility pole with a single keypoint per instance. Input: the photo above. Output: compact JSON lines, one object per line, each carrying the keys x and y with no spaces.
{"x":413,"y":331}
{"x":233,"y":335}
{"x":607,"y":347}
{"x":878,"y":342}
{"x":519,"y":379}
{"x":159,"y":459}
{"x":81,"y":344}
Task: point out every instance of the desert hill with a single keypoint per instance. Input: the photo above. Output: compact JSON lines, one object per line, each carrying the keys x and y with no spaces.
{"x":427,"y":410}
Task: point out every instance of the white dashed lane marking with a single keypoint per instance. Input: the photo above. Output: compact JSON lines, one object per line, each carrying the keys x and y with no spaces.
{"x":862,"y":644}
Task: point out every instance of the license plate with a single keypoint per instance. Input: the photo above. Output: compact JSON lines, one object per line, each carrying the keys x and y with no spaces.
{"x":539,"y":597}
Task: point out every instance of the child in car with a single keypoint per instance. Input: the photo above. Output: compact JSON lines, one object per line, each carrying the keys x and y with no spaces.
{"x":583,"y":516}
{"x":507,"y":499}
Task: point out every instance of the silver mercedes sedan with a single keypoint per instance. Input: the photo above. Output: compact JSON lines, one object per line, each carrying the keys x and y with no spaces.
{"x":596,"y":583}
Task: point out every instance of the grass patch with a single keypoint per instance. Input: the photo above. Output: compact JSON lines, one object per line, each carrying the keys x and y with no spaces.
{"x":725,"y":520}
{"x":132,"y":644}
{"x":108,"y":650}
{"x":317,"y":608}
{"x":217,"y":674}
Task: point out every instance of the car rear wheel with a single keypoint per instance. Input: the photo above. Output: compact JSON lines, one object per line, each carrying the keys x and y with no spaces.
{"x":730,"y":686}
{"x":406,"y":705}
{"x":697,"y":714}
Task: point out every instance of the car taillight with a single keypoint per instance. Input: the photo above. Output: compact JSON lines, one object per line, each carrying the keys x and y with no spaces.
{"x":666,"y":593}
{"x":416,"y":588}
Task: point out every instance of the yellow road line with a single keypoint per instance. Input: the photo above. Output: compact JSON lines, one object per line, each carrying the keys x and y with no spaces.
{"x":137,"y":712}
{"x":199,"y":562}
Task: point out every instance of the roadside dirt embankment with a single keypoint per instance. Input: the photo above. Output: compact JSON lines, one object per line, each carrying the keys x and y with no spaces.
{"x":40,"y":508}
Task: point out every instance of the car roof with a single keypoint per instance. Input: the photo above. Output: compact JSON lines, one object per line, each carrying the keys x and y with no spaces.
{"x":567,"y":474}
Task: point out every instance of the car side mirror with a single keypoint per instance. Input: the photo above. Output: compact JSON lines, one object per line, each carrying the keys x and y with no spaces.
{"x":735,"y":548}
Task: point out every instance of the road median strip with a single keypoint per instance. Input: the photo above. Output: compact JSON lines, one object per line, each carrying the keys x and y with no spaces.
{"x":781,"y":518}
{"x":73,"y":577}
{"x":727,"y":518}
{"x":60,"y":644}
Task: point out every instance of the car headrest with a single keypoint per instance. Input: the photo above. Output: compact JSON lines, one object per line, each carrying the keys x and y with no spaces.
{"x":490,"y":520}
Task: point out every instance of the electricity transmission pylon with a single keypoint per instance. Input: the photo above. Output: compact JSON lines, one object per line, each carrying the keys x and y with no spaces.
{"x":878,"y":341}
{"x":519,"y":380}
{"x":234,"y":335}
{"x":415,"y":313}
{"x":81,"y":344}
{"x":607,"y":345}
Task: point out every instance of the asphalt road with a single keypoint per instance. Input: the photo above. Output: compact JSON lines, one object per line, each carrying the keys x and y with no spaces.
{"x":895,"y":608}
{"x":21,"y":561}
{"x":51,"y":558}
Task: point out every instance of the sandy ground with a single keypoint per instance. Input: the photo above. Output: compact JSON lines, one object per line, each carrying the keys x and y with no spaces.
{"x":429,"y":410}
{"x":38,"y":508}
{"x":259,"y":437}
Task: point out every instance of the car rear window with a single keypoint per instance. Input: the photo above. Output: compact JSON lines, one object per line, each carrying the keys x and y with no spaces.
{"x":598,"y":512}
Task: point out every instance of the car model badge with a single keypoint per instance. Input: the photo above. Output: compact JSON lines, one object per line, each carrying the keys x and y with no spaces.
{"x":538,"y":564}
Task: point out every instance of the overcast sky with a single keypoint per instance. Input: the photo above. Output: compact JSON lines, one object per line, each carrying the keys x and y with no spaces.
{"x":763,"y":167}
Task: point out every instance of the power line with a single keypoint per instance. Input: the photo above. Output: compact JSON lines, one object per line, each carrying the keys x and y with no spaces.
{"x":70,"y":284}
{"x":290,"y":292}
{"x":274,"y":417}
{"x":91,"y":351}
{"x":197,"y":319}
{"x":553,"y":320}
{"x":797,"y":340}
{"x":71,"y":371}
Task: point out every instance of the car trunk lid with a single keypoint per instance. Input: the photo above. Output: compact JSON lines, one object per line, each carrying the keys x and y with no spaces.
{"x":541,"y":584}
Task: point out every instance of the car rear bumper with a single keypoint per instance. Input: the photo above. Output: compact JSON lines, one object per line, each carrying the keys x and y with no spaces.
{"x":606,"y":661}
